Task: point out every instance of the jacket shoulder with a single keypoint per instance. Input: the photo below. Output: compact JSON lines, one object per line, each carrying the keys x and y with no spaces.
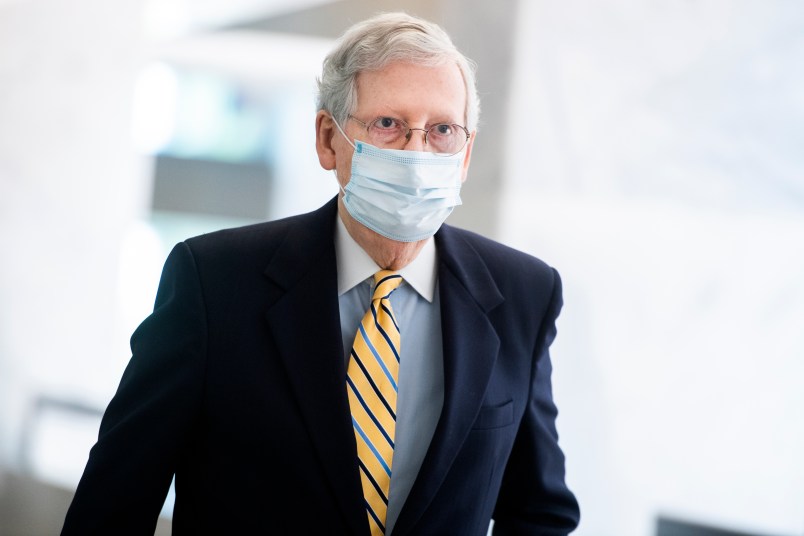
{"x":261,"y":240}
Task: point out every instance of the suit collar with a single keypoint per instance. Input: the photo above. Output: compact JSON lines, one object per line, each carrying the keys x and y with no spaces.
{"x":308,"y":243}
{"x":461,"y":259}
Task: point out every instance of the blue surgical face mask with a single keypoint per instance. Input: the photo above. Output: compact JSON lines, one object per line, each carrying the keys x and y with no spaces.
{"x":402,"y":195}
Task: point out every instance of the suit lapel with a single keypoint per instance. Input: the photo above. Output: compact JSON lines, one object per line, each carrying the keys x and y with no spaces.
{"x":470,"y":343}
{"x":304,"y":271}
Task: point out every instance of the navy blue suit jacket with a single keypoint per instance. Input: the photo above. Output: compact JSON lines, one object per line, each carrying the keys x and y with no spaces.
{"x":231,"y":389}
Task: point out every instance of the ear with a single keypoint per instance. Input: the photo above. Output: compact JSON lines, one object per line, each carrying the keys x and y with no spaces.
{"x":467,"y":155}
{"x":324,"y":133}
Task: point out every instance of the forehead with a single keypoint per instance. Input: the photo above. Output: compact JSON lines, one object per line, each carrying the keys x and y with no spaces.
{"x":413,"y":92}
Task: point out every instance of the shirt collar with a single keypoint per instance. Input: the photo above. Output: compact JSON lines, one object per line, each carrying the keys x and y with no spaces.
{"x":355,"y":266}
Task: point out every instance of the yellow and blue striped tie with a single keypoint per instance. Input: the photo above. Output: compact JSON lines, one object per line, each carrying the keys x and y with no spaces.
{"x":371,"y":383}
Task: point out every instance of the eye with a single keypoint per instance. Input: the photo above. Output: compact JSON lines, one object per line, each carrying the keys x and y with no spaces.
{"x":442,"y":130}
{"x":387,"y":123}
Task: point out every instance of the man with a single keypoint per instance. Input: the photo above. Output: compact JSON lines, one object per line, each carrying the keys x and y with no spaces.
{"x":292,"y":391}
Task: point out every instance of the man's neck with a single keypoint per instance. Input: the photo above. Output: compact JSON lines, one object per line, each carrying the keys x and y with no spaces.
{"x":388,"y":254}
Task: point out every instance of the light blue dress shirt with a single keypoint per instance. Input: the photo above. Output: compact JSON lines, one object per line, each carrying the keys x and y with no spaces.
{"x":421,"y":364}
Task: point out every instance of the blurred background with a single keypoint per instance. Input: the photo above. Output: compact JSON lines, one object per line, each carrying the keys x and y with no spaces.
{"x":651,"y":151}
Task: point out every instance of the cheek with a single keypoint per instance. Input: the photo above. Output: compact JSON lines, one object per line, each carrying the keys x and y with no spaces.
{"x":343,"y":169}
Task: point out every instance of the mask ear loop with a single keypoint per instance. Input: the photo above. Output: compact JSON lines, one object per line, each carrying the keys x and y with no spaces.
{"x":342,"y":132}
{"x":335,"y":171}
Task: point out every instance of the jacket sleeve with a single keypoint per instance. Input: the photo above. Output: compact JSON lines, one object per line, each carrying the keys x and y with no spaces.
{"x":534,"y":499}
{"x":152,"y":414}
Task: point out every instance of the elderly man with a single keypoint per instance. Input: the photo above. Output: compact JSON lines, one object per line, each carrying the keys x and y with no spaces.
{"x":362,"y":369}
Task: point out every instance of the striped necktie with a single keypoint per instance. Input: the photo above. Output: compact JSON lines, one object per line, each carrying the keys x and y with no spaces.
{"x":371,"y":384}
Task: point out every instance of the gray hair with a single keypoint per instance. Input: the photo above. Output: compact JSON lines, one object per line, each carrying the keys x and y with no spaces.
{"x":375,"y":43}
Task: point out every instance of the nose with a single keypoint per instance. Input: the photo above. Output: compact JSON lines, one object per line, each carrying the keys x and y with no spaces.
{"x":415,"y":142}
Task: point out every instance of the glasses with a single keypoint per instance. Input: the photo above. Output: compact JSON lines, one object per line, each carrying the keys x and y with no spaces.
{"x":443,"y":139}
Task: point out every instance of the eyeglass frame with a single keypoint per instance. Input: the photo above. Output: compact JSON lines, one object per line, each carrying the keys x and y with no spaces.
{"x":410,"y":130}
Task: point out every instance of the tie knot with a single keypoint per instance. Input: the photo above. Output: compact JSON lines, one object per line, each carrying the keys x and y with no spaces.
{"x":385,"y":282}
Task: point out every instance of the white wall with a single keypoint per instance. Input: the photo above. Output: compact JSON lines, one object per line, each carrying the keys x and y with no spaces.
{"x":69,"y":186}
{"x":655,"y":159}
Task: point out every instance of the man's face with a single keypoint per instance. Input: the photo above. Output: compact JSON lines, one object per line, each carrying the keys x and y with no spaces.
{"x":420,"y":96}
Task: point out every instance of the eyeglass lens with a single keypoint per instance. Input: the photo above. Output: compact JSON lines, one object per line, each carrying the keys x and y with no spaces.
{"x":442,"y":138}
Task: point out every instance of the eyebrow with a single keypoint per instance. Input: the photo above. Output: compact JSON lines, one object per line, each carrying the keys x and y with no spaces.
{"x":396,"y":114}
